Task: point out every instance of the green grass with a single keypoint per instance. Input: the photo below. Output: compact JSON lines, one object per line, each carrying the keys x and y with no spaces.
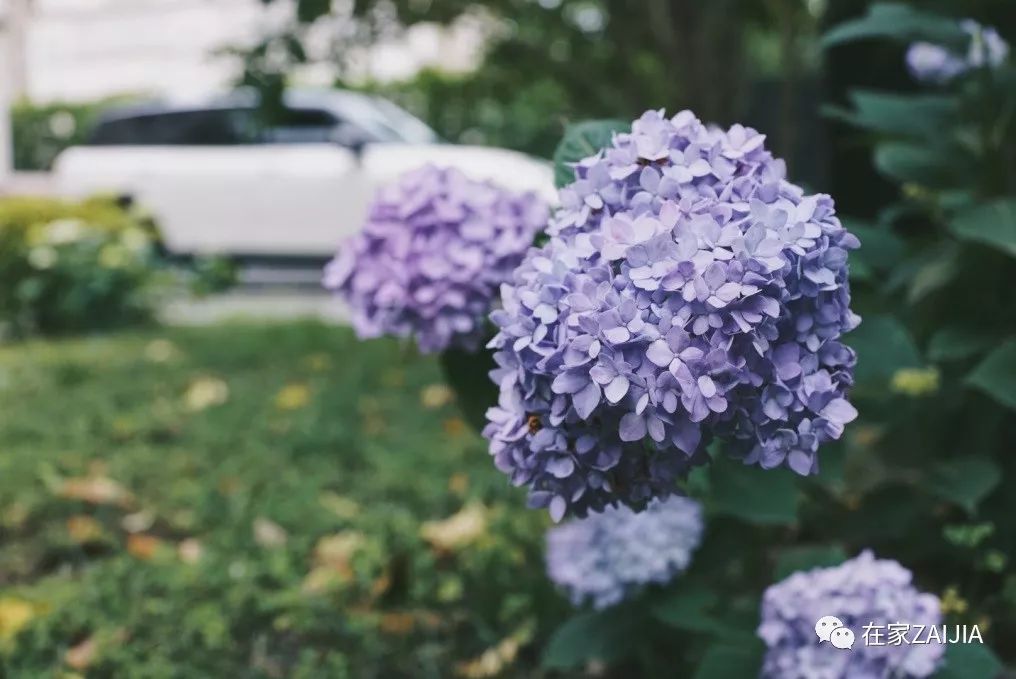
{"x":152,"y":525}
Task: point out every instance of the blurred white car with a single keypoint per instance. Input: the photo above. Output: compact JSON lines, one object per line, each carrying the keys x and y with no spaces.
{"x":217,"y":182}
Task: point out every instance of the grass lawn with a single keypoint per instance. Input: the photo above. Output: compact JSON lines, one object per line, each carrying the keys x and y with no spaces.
{"x":255,"y":501}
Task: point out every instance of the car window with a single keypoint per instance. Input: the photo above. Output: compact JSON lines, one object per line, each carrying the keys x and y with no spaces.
{"x":303,"y":126}
{"x":177,"y":128}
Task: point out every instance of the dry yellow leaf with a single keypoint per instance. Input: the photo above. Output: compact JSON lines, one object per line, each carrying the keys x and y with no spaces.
{"x":342,"y":507}
{"x":434,"y":396}
{"x":81,"y":655}
{"x":97,"y":490}
{"x":205,"y":392}
{"x":190,"y":551}
{"x":269,"y":534}
{"x":495,"y":659}
{"x":292,"y":397}
{"x":142,"y":546}
{"x":457,"y":531}
{"x":458,"y":483}
{"x":336,"y":550}
{"x":84,"y":529}
{"x":454,"y":426}
{"x":397,"y":623}
{"x":15,"y":614}
{"x":161,"y":351}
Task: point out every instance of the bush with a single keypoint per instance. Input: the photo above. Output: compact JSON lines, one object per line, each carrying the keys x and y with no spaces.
{"x":67,"y":266}
{"x":41,"y":132}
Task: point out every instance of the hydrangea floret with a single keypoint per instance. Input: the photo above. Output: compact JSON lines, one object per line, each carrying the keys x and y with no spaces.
{"x":429,"y":260}
{"x":607,"y":557}
{"x":863,"y":591}
{"x":688,"y":291}
{"x":933,"y":63}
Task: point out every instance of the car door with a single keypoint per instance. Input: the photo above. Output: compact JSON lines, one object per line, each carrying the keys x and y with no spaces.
{"x":214,"y":189}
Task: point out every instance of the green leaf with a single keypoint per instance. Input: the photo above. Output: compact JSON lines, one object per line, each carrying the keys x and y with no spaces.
{"x":935,"y":271}
{"x":883,"y":346}
{"x":689,"y":609}
{"x":725,"y":659}
{"x":605,"y":636}
{"x":582,"y":140}
{"x":794,"y":559}
{"x":996,"y":374}
{"x":992,"y":224}
{"x":964,"y":481}
{"x":880,"y":247}
{"x":468,"y":374}
{"x":958,"y":342}
{"x":755,"y":495}
{"x":308,"y":11}
{"x":922,"y":165}
{"x":969,"y":661}
{"x":898,"y":114}
{"x":897,"y":21}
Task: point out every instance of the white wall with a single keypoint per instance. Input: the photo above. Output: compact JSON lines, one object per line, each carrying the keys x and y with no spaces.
{"x":87,"y":49}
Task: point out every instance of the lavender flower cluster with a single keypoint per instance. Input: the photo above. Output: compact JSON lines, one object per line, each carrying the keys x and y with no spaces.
{"x":933,"y":63}
{"x":606,"y":557}
{"x":688,"y":290}
{"x":431,"y":256}
{"x":862,"y":591}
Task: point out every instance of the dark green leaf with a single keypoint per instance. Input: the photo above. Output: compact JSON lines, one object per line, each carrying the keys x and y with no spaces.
{"x":725,"y":659}
{"x":964,"y":481}
{"x":468,"y":374}
{"x":969,"y":661}
{"x":605,"y":636}
{"x":996,"y":374}
{"x":936,"y":270}
{"x":795,"y":559}
{"x":582,"y":140}
{"x":308,"y":11}
{"x":883,"y":346}
{"x":898,"y":114}
{"x":689,"y":608}
{"x":898,"y":22}
{"x":992,"y":224}
{"x":752,"y":494}
{"x":880,"y":247}
{"x":918,"y":164}
{"x":958,"y":342}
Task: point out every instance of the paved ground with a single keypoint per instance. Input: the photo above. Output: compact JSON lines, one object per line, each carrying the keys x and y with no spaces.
{"x":281,"y":304}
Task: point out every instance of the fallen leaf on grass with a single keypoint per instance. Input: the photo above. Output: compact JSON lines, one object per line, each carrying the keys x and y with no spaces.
{"x":398,"y":624}
{"x":454,"y":427}
{"x":96,"y":490}
{"x":269,"y":534}
{"x":331,"y":561}
{"x":81,"y":655}
{"x":138,"y":522}
{"x":204,"y":393}
{"x":15,"y":614}
{"x":457,"y":531}
{"x":458,"y":483}
{"x":495,"y":659}
{"x":161,"y":351}
{"x":84,"y":529}
{"x":434,"y":396}
{"x":342,"y":507}
{"x":292,"y":397}
{"x":190,"y":551}
{"x":143,"y":547}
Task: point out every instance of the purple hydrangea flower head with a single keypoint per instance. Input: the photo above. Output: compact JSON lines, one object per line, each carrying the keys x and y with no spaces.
{"x":933,"y":63}
{"x":431,"y":256}
{"x":862,"y":591}
{"x":688,"y":291}
{"x":607,"y":556}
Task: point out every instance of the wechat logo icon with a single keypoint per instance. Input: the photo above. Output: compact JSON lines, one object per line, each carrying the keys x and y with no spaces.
{"x":830,"y":628}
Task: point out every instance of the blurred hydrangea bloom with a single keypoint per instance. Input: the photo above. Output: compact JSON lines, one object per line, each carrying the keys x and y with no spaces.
{"x":862,"y":591}
{"x":607,"y":556}
{"x":688,"y":290}
{"x":431,"y":256}
{"x":932,"y":63}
